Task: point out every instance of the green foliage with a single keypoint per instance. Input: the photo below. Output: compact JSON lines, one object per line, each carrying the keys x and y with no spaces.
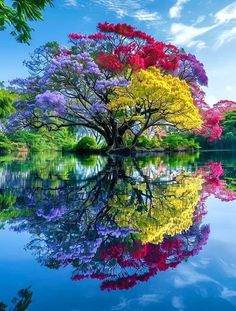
{"x":231,"y":183}
{"x":5,"y":144}
{"x":43,"y":140}
{"x":228,"y":139}
{"x":229,"y":123}
{"x":148,"y":143}
{"x":7,"y":200}
{"x":19,"y":14}
{"x":6,"y":103}
{"x":87,"y":143}
{"x":177,"y":141}
{"x":173,"y":142}
{"x":8,"y":214}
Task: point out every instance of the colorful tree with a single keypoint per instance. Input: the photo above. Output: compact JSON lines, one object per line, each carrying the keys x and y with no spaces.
{"x":117,"y":80}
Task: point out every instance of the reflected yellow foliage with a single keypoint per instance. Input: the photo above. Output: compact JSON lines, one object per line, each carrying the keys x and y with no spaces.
{"x":164,"y":211}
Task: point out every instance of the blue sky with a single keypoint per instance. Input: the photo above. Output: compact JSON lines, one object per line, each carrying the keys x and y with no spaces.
{"x":206,"y":28}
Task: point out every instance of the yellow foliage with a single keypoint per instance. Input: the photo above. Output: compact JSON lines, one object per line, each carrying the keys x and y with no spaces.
{"x":161,"y":98}
{"x":168,"y":212}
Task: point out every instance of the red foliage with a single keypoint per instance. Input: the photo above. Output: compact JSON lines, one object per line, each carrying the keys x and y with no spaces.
{"x":136,"y":62}
{"x":164,"y":56}
{"x":213,"y":185}
{"x":125,"y":30}
{"x":98,"y":36}
{"x":109,"y":62}
{"x":211,"y":127}
{"x":76,"y":36}
{"x":212,"y":118}
{"x":225,"y":105}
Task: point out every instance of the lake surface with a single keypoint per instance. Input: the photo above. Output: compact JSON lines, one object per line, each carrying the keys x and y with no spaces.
{"x":111,"y":233}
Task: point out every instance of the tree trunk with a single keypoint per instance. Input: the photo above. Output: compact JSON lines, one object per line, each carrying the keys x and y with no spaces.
{"x":115,"y":139}
{"x":115,"y":142}
{"x":135,"y":140}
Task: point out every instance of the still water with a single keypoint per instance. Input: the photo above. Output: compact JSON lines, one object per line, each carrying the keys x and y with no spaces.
{"x":111,"y":233}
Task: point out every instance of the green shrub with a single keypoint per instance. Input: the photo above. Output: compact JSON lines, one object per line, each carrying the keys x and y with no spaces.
{"x":5,"y":144}
{"x":87,"y":143}
{"x":174,"y":141}
{"x":148,"y":143}
{"x":43,"y":140}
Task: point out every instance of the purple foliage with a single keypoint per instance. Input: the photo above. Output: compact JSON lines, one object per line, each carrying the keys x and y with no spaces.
{"x":191,"y":70}
{"x":51,"y":101}
{"x":106,"y":84}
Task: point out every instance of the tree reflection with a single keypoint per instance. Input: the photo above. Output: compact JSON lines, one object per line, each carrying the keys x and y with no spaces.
{"x":120,"y":220}
{"x":19,"y":303}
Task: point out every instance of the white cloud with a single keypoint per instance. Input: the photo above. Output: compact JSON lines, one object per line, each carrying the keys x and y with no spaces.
{"x":227,"y":14}
{"x":72,"y":3}
{"x":121,"y":8}
{"x":175,"y":11}
{"x":226,"y":37}
{"x":184,"y":35}
{"x":143,"y":15}
{"x":129,"y":8}
{"x":198,"y":44}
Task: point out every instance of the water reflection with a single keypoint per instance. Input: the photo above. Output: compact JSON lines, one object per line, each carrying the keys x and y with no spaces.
{"x":19,"y":303}
{"x":118,"y":220}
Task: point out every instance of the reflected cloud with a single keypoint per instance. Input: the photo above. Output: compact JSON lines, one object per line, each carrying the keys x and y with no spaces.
{"x":187,"y":275}
{"x":228,"y":293}
{"x":149,"y":298}
{"x":177,"y":303}
{"x":122,"y":305}
{"x":229,"y":268}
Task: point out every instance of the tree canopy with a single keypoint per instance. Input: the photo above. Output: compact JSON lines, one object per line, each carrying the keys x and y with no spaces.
{"x":117,"y":81}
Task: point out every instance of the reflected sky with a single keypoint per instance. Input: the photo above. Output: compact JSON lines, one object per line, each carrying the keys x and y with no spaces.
{"x":200,"y":279}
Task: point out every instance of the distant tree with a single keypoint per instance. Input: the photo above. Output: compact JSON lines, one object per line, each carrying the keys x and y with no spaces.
{"x":229,"y":124}
{"x":19,"y":14}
